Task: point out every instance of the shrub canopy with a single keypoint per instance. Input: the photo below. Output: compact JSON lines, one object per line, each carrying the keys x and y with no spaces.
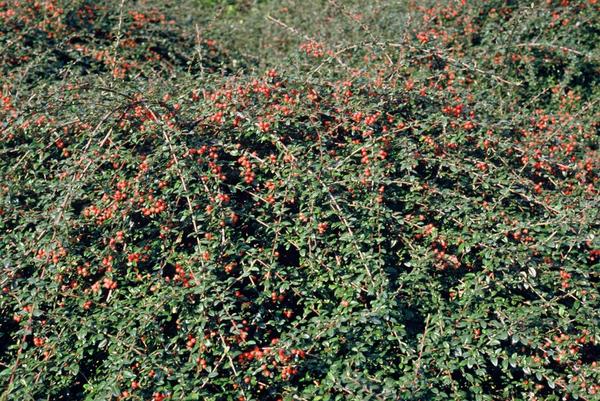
{"x":207,"y":200}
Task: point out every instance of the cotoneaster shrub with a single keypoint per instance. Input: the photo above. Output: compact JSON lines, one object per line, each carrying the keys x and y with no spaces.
{"x":370,"y":217}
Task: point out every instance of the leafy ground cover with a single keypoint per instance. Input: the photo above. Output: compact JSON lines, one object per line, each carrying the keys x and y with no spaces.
{"x":316,"y":200}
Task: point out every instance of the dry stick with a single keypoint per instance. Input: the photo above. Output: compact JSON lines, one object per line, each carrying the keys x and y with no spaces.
{"x":550,"y":46}
{"x":289,"y":28}
{"x":345,"y":222}
{"x":102,"y":142}
{"x":185,"y":188}
{"x":452,"y":60}
{"x":226,"y":349}
{"x":183,"y":182}
{"x":199,"y":50}
{"x":421,"y":347}
{"x":399,"y":45}
{"x":78,"y":175}
{"x":340,"y":215}
{"x":118,"y":39}
{"x":527,"y":198}
{"x":296,"y":32}
{"x":362,"y":25}
{"x":285,"y":195}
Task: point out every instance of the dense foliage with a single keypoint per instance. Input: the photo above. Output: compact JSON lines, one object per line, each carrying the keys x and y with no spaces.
{"x":299,"y":200}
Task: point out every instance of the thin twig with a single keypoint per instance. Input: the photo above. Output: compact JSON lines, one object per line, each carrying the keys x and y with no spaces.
{"x":345,"y":222}
{"x":185,"y":188}
{"x":551,"y":46}
{"x":421,"y":347}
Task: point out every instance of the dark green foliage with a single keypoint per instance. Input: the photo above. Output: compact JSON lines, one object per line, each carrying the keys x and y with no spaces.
{"x":208,"y":200}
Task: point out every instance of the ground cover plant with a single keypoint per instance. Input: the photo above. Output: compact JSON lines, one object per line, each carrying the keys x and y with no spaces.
{"x":284,"y":200}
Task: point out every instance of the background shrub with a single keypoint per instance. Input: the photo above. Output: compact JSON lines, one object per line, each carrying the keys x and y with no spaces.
{"x":274,"y":200}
